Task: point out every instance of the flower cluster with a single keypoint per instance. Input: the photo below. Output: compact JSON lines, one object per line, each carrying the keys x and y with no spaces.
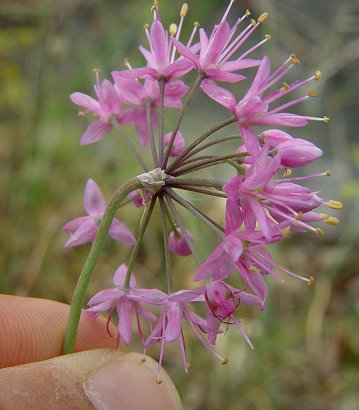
{"x":263,"y":203}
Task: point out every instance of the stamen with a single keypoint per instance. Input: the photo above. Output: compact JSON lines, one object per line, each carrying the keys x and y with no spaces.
{"x":262,"y":18}
{"x":312,"y":94}
{"x":227,"y":11}
{"x":334,"y":204}
{"x":253,"y":22}
{"x":268,"y":37}
{"x":287,"y":173}
{"x":311,"y":281}
{"x":196,"y":25}
{"x":127,"y":64}
{"x":184,"y":10}
{"x":324,"y":216}
{"x":331,"y":220}
{"x":319,"y":232}
{"x":172,"y":29}
{"x":294,"y":60}
{"x":225,"y":361}
{"x":326,"y":119}
{"x":247,"y":13}
{"x":317,"y":75}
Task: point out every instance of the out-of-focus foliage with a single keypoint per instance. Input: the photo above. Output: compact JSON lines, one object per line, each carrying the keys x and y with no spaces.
{"x":306,"y":340}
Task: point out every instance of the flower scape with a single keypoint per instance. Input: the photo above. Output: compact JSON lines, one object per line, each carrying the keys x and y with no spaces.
{"x":263,"y":203}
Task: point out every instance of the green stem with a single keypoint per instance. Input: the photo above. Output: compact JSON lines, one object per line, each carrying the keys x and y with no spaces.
{"x":194,"y":144}
{"x":211,"y":183}
{"x":193,"y":89}
{"x":206,"y":191}
{"x":210,"y":144}
{"x":150,"y":133}
{"x":207,"y":162}
{"x":143,"y":226}
{"x":196,"y":212}
{"x":160,"y":122}
{"x":131,"y":146}
{"x":95,"y":251}
{"x":165,"y":245}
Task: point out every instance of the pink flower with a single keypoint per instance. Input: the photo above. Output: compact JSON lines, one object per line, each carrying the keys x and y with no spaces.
{"x":222,"y":300}
{"x":125,"y":302}
{"x":84,"y":228}
{"x":178,"y":144}
{"x":177,"y":243}
{"x":107,"y":108}
{"x":161,"y":64}
{"x":139,"y":201}
{"x":254,"y":108}
{"x":169,"y":326}
{"x":297,"y":152}
{"x":148,"y":93}
{"x":254,"y":194}
{"x":216,"y":51}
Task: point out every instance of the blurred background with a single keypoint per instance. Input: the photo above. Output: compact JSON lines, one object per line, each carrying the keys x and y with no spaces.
{"x":306,"y":340}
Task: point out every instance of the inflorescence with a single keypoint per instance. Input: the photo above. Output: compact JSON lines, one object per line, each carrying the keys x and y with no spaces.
{"x":263,"y":202}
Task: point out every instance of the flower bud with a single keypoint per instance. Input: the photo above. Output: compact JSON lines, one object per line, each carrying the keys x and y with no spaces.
{"x":138,"y":202}
{"x":178,"y":144}
{"x":297,"y":152}
{"x":275,"y":137}
{"x":177,"y":243}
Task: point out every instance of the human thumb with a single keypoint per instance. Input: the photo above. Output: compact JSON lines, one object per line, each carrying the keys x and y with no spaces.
{"x":103,"y":379}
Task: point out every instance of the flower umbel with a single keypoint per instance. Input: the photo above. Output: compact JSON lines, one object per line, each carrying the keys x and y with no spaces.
{"x":263,"y":202}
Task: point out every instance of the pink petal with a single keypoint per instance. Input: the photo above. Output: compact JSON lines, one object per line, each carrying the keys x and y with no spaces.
{"x":109,"y":100}
{"x":95,"y":132}
{"x":86,"y":232}
{"x":130,"y":89}
{"x":233,"y":246}
{"x":74,"y":224}
{"x":120,"y":276}
{"x":185,"y":52}
{"x":177,"y":69}
{"x":215,"y":46}
{"x":178,"y":144}
{"x":159,"y":40}
{"x":141,"y":127}
{"x":283,"y":120}
{"x":124,"y":310}
{"x":240,"y":64}
{"x":143,"y":72}
{"x":219,"y":94}
{"x":94,"y":202}
{"x":174,"y":319}
{"x":260,"y":78}
{"x":119,"y":232}
{"x":85,"y":101}
{"x":107,"y":295}
{"x":221,"y":75}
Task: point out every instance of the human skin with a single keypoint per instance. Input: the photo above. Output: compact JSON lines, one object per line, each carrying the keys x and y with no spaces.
{"x":33,"y":374}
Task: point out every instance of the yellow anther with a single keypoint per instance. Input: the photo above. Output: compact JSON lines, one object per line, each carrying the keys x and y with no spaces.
{"x":248,"y":13}
{"x":311,"y":281}
{"x":159,"y":381}
{"x":254,"y":269}
{"x":268,"y":37}
{"x":324,"y":216}
{"x":156,"y":3}
{"x":143,"y":360}
{"x":319,"y":232}
{"x":197,"y":24}
{"x":262,"y":18}
{"x":294,"y":60}
{"x":287,"y":173}
{"x":81,"y":113}
{"x":225,"y":361}
{"x":326,"y":119}
{"x":173,"y":29}
{"x":317,"y":75}
{"x":293,"y":56}
{"x":153,"y":8}
{"x":188,"y":365}
{"x":96,"y":70}
{"x":184,"y":10}
{"x":328,"y":173}
{"x":335,"y":204}
{"x":286,"y":231}
{"x":146,"y":26}
{"x":299,"y":216}
{"x":312,"y":94}
{"x":285,"y":86}
{"x":332,"y":221}
{"x":253,"y":22}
